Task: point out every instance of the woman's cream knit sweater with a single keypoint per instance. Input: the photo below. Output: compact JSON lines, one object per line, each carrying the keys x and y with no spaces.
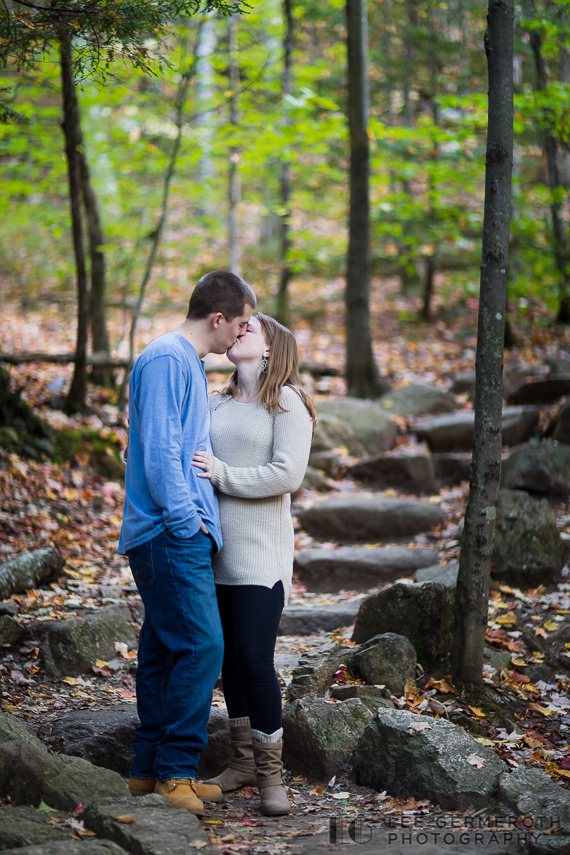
{"x":259,"y":460}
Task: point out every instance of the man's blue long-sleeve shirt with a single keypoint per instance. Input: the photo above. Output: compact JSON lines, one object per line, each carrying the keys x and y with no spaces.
{"x":169,"y":419}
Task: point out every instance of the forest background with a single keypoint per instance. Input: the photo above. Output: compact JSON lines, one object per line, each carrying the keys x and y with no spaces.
{"x":267,"y":98}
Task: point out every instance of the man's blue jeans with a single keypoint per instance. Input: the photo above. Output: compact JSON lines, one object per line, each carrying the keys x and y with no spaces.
{"x":180,"y":653}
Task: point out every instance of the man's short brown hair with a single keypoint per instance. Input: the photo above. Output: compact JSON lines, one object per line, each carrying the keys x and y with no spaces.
{"x":220,"y":291}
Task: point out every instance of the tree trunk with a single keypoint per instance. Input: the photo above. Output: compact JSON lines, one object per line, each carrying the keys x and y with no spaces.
{"x":282,"y":307}
{"x":363,"y":378}
{"x":234,"y":188}
{"x":555,"y":183}
{"x":425,"y":313}
{"x":479,"y":534}
{"x":101,"y":376}
{"x":70,"y":124}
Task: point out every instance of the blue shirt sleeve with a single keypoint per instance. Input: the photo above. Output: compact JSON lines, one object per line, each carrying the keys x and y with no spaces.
{"x":163,"y":387}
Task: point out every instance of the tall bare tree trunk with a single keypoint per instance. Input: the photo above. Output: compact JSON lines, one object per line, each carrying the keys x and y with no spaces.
{"x":479,"y":534}
{"x":76,"y":396}
{"x":99,"y":335}
{"x":235,"y":187}
{"x":555,"y":183}
{"x":363,"y":378}
{"x":282,"y":307}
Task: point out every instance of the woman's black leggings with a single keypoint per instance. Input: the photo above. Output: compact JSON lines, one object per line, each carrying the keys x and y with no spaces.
{"x":250,"y":618}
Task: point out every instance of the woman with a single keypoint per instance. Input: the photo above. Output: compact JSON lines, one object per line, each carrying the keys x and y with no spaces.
{"x":261,"y":432}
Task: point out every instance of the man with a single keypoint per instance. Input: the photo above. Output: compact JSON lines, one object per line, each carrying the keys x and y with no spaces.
{"x":170,"y":530}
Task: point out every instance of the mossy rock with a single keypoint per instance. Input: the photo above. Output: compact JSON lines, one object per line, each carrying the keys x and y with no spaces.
{"x":21,"y":429}
{"x":103,"y":450}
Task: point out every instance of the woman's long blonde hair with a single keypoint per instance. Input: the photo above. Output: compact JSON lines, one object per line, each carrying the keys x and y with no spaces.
{"x":282,"y":369}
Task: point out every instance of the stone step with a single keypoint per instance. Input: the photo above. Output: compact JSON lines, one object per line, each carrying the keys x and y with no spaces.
{"x":455,"y":432}
{"x":541,"y":390}
{"x":368,"y":517}
{"x":308,"y":619}
{"x":409,"y":471}
{"x":358,"y":568}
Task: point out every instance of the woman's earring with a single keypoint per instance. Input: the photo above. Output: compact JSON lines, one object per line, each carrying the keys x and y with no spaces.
{"x":264,"y":365}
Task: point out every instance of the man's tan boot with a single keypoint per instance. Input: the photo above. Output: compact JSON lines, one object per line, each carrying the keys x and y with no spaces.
{"x":274,"y":801}
{"x":241,"y":771}
{"x":180,"y":793}
{"x":141,"y":786}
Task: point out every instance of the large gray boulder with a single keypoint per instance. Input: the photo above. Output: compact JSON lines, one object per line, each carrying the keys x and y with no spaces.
{"x":387,"y":659}
{"x":14,"y":729}
{"x":24,"y":826}
{"x":315,"y":670}
{"x":371,"y":425}
{"x":541,"y":390}
{"x":417,"y":756}
{"x":405,"y":469}
{"x":368,"y":517}
{"x":70,"y":647}
{"x":418,"y":399}
{"x":333,"y":432}
{"x":464,"y":383}
{"x":30,"y":569}
{"x":371,"y":696}
{"x":319,"y":736}
{"x":29,"y":775}
{"x":155,"y":827}
{"x":528,"y":547}
{"x":103,"y":737}
{"x":451,"y":467}
{"x":424,"y":613}
{"x":70,"y":847}
{"x":455,"y":432}
{"x":308,"y":618}
{"x":445,"y":574}
{"x":532,"y":793}
{"x":541,"y":467}
{"x":356,"y":568}
{"x":559,"y":428}
{"x":11,"y":632}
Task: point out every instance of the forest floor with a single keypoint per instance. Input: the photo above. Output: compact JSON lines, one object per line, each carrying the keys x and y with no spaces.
{"x":525,"y":720}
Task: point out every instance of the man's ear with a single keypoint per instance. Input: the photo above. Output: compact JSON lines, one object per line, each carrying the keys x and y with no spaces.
{"x":216,"y":319}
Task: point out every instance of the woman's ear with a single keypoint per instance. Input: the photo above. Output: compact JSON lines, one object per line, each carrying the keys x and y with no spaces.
{"x":266,"y":352}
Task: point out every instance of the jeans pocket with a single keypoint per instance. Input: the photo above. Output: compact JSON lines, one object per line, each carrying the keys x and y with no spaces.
{"x":142,"y":568}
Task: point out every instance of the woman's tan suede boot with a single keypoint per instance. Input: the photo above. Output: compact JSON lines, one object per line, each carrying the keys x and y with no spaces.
{"x":274,"y":801}
{"x":241,"y":771}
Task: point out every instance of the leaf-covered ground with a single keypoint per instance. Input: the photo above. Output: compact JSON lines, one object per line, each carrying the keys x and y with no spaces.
{"x":523,"y":712}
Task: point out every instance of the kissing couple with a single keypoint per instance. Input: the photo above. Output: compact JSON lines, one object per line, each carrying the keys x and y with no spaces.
{"x":208,"y":533}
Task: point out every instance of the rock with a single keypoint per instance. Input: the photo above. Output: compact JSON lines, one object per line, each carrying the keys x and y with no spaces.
{"x":498,"y":659}
{"x":464,"y":384}
{"x":319,"y":736}
{"x":455,"y":432}
{"x":325,"y":461}
{"x":356,"y":568}
{"x":70,"y":647}
{"x":366,"y":517}
{"x":528,"y":547}
{"x":218,"y":752}
{"x":387,"y":659}
{"x":333,"y":432}
{"x":9,"y":607}
{"x":21,"y":429}
{"x":104,"y":737}
{"x":372,"y":427}
{"x":542,"y":467}
{"x":541,"y":390}
{"x":30,"y":569}
{"x":11,"y":632}
{"x":451,"y":468}
{"x":423,"y":613}
{"x":158,"y":828}
{"x":558,"y":362}
{"x":309,"y":618}
{"x":418,"y":399}
{"x":313,"y":480}
{"x":71,"y":847}
{"x":533,"y":793}
{"x":445,"y":574}
{"x":418,"y":756}
{"x":14,"y":729}
{"x":24,"y":826}
{"x":316,"y":669}
{"x":559,"y":428}
{"x":371,"y":696}
{"x":407,"y":469}
{"x":29,"y":775}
